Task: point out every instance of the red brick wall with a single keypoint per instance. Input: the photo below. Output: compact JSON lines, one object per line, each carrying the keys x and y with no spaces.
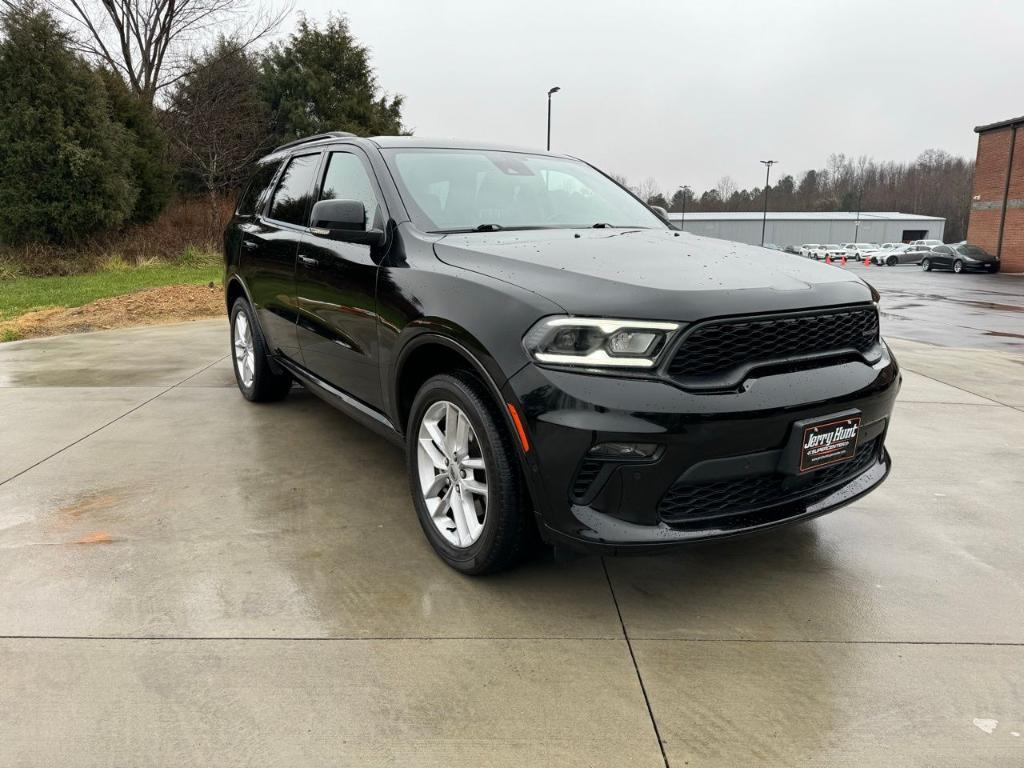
{"x":989,"y":188}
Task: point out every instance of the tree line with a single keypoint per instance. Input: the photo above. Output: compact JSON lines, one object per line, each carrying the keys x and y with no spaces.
{"x":108,"y":110}
{"x":935,"y":184}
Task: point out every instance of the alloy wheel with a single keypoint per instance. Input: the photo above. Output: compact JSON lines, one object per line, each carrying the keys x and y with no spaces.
{"x":245,"y":355}
{"x":452,"y":473}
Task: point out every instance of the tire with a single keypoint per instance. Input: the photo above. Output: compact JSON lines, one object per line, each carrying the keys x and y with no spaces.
{"x":892,"y":261}
{"x":926,"y":265}
{"x":477,"y":546}
{"x":958,"y":266}
{"x":265,"y":384}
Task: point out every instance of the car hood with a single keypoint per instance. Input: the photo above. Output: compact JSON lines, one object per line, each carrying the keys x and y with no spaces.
{"x":651,"y":274}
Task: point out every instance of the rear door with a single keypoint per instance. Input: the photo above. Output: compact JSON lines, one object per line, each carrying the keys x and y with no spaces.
{"x":271,"y":245}
{"x":336,"y":286}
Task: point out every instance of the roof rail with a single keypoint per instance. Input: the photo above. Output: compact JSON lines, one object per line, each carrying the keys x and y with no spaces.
{"x":316,"y":137}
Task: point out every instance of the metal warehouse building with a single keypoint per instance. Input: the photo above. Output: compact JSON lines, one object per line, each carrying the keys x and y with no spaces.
{"x":797,"y":228}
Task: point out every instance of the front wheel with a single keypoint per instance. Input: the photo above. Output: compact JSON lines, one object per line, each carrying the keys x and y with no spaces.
{"x":958,"y":266}
{"x":926,"y":265}
{"x":464,"y":476}
{"x":892,"y":261}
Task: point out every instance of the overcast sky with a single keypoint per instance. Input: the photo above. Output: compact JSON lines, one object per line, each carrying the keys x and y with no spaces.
{"x":687,"y":92}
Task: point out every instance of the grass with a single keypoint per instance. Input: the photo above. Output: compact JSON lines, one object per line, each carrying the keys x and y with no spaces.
{"x":115,"y":277}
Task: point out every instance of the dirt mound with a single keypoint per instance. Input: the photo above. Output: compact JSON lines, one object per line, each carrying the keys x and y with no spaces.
{"x":167,"y":304}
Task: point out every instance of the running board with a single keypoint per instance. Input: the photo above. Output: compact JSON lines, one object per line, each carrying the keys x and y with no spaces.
{"x":356,"y":409}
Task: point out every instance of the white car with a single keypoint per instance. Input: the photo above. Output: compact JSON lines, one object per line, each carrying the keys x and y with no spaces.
{"x":811,"y":251}
{"x":860,"y":251}
{"x":834,"y":250}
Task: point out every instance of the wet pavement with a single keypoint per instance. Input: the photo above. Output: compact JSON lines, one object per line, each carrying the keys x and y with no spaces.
{"x":967,"y":310}
{"x":189,"y":578}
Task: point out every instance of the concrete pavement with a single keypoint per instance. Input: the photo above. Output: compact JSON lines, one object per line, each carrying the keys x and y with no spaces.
{"x":176,"y":591}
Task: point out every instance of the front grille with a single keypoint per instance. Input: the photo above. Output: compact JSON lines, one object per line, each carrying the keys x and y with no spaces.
{"x":717,"y":347}
{"x":693,"y":502}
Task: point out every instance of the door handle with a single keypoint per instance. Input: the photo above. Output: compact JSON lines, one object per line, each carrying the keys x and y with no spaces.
{"x":308,"y":261}
{"x":250,"y":245}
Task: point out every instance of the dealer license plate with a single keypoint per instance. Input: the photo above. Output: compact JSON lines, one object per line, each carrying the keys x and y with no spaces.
{"x":828,"y":442}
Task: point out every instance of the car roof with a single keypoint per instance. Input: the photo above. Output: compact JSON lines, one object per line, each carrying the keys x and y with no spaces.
{"x":420,"y":142}
{"x":398,"y":142}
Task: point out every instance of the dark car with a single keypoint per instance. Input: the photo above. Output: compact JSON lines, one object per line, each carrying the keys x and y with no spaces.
{"x":902,"y":254}
{"x":959,"y":258}
{"x":552,"y":356}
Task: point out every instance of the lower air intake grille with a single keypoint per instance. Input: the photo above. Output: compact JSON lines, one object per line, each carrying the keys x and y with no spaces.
{"x":689,"y":503}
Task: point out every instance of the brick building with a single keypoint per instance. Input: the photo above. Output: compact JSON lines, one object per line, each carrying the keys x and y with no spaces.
{"x":997,"y":210}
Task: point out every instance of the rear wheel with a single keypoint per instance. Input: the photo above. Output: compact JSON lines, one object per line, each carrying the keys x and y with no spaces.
{"x":254,"y":374}
{"x":464,"y":476}
{"x":958,"y":266}
{"x":926,"y":265}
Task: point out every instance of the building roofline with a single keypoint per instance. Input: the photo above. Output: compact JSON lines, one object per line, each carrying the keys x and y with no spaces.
{"x":1001,"y":124}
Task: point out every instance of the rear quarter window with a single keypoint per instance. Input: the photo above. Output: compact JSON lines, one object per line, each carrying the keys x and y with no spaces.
{"x":255,"y":194}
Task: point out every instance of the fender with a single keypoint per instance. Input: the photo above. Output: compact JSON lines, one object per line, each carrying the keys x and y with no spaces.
{"x":430,"y":336}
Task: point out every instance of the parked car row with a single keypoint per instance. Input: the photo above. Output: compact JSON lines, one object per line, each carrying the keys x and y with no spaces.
{"x":929,"y":254}
{"x":819,"y":252}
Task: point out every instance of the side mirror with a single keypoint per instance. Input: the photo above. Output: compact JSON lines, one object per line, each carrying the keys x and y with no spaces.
{"x":344,"y":220}
{"x":660,"y":211}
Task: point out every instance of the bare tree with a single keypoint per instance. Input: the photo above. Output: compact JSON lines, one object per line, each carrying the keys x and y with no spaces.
{"x":647,"y":189}
{"x":151,"y":42}
{"x":218,"y":123}
{"x":725,"y":188}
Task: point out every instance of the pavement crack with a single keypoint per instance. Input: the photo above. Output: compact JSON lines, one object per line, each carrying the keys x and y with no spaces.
{"x":114,"y":420}
{"x":954,"y":386}
{"x":636,"y":667}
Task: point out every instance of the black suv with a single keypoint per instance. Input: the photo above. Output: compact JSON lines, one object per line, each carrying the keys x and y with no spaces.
{"x":553,"y":356}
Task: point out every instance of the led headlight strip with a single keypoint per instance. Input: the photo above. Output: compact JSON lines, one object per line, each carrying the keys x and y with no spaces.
{"x":598,"y":342}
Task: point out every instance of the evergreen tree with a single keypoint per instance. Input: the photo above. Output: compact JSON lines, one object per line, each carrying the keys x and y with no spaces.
{"x":64,"y":163}
{"x":321,"y":80}
{"x":151,"y":172}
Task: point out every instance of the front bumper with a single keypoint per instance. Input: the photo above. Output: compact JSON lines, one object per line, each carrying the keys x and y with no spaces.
{"x":720,"y":466}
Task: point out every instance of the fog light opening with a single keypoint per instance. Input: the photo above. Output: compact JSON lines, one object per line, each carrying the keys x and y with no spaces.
{"x":623,"y":450}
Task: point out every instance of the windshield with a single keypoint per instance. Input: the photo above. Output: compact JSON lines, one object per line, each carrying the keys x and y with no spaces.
{"x":973,"y":251}
{"x":459,"y":190}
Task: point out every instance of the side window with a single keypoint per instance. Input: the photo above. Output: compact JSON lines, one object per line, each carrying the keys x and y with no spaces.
{"x":256,"y":193}
{"x":295,"y":190}
{"x":346,"y":179}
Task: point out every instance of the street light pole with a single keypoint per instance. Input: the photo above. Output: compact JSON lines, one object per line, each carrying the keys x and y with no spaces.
{"x":764,"y":215}
{"x":556,"y":89}
{"x":856,"y":226}
{"x":682,"y":219}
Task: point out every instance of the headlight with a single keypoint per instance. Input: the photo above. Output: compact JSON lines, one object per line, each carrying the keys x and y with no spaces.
{"x":598,"y":342}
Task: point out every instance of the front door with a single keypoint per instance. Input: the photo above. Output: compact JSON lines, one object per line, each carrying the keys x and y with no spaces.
{"x":942,"y":256}
{"x":270,"y":243}
{"x":336,"y":288}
